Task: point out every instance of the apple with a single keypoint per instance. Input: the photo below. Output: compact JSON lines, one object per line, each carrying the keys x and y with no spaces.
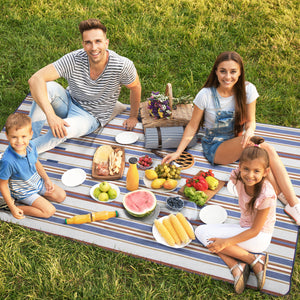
{"x":112,"y":193}
{"x":97,"y":192}
{"x":104,"y":186}
{"x":103,"y":197}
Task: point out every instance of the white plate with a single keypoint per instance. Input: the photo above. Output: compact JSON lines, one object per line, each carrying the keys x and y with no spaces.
{"x":231,"y":188}
{"x":126,"y":137}
{"x":161,"y":240}
{"x":148,"y":182}
{"x":73,"y":177}
{"x":109,"y":200}
{"x":213,"y":214}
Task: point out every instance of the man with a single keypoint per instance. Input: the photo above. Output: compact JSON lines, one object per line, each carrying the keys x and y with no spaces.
{"x":95,"y":76}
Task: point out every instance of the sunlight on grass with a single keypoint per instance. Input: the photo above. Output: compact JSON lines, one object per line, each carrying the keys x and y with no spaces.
{"x":169,"y":41}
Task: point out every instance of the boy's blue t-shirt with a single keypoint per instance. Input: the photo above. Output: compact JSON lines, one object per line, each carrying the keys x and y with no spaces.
{"x":20,"y":171}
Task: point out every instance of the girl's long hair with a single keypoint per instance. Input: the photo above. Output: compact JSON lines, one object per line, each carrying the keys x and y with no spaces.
{"x":239,"y":88}
{"x":251,"y":153}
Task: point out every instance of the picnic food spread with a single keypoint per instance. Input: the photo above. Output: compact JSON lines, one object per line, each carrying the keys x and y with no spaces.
{"x":172,"y":230}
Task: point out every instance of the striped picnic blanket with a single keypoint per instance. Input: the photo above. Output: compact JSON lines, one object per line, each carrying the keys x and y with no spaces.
{"x":135,"y":237}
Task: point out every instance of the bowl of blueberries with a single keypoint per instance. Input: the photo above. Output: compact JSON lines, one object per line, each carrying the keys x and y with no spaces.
{"x":174,"y":203}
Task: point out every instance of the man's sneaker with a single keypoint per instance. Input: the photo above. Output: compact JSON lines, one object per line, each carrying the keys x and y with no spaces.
{"x":293,"y":212}
{"x":3,"y":205}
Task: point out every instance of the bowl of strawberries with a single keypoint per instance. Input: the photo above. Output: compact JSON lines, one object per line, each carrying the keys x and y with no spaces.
{"x":145,"y":162}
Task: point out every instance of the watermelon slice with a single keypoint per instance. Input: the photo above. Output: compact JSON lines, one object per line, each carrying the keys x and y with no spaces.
{"x":140,"y":203}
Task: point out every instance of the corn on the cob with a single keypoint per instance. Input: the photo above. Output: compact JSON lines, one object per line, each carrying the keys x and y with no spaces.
{"x":171,"y":230}
{"x":164,"y":233}
{"x":179,"y":229}
{"x":186,"y":225}
{"x":212,"y":182}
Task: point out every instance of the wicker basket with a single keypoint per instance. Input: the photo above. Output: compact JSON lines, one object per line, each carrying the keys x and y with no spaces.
{"x":180,"y":116}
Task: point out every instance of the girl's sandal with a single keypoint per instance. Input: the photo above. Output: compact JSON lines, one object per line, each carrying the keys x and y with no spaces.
{"x":241,"y":280}
{"x":261,"y":276}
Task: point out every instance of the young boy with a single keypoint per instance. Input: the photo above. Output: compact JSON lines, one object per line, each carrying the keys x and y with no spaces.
{"x":22,"y":176}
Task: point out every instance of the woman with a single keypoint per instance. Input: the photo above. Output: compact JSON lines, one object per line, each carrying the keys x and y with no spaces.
{"x":226,"y":107}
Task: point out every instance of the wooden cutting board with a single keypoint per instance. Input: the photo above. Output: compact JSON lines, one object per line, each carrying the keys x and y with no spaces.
{"x":111,"y":177}
{"x":208,"y":192}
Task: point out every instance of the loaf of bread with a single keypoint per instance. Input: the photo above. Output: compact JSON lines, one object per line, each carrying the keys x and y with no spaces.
{"x":102,"y":154}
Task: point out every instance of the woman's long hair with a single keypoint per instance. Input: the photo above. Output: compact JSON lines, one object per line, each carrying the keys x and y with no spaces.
{"x":239,"y":88}
{"x":251,"y":153}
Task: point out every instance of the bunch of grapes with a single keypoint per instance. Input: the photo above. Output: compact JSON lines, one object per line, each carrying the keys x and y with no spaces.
{"x":168,"y":171}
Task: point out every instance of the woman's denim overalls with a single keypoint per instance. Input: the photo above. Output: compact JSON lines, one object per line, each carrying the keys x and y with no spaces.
{"x":223,"y":130}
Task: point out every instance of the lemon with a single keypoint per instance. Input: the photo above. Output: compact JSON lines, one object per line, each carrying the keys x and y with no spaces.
{"x":151,"y":174}
{"x":157,"y":183}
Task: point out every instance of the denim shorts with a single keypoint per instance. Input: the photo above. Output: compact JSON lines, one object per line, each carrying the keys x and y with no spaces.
{"x":210,"y":144}
{"x":30,"y":199}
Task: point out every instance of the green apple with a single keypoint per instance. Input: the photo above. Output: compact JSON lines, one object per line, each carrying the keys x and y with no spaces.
{"x":112,"y":193}
{"x":104,"y":186}
{"x":103,"y":197}
{"x":96,"y":192}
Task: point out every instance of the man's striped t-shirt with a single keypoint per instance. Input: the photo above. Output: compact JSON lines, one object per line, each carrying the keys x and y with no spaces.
{"x":99,"y":96}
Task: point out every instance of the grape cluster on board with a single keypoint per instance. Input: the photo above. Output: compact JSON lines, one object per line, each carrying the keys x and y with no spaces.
{"x":168,"y":171}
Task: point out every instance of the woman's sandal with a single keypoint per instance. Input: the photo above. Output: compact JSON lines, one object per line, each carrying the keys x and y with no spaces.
{"x":240,"y":281}
{"x":261,"y":276}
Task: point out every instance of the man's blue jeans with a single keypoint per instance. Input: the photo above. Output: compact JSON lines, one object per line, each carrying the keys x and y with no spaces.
{"x":81,"y":122}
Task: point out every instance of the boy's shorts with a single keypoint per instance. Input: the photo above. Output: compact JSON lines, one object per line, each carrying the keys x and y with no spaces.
{"x":30,"y":199}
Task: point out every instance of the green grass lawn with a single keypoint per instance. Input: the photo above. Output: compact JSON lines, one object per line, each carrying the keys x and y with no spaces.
{"x":169,"y":41}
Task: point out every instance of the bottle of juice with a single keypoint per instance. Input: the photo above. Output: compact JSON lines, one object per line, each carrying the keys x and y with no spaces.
{"x":103,"y":215}
{"x":94,"y":216}
{"x":132,"y":179}
{"x":79,"y":219}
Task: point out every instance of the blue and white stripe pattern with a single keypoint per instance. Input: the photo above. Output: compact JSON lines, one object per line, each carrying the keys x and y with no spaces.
{"x":21,"y":189}
{"x":133,"y":236}
{"x":98,"y":96}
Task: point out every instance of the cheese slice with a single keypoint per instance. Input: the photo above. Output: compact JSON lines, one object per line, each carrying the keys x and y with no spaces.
{"x":102,"y":154}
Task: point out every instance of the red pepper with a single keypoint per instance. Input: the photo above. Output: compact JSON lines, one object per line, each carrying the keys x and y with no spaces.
{"x":198,"y":182}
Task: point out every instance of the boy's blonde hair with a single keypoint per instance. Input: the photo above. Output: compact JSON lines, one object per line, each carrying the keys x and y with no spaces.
{"x":17,"y":121}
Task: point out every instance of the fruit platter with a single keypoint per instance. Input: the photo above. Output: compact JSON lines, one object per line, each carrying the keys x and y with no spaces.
{"x":108,"y":162}
{"x":105,"y":191}
{"x":173,"y":230}
{"x":163,"y":177}
{"x":202,"y":187}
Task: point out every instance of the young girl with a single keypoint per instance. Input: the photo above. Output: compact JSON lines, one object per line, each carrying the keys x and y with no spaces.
{"x":227,"y":102}
{"x":257,"y":202}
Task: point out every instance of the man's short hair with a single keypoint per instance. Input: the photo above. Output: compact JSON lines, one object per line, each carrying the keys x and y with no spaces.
{"x":91,"y":24}
{"x":17,"y":121}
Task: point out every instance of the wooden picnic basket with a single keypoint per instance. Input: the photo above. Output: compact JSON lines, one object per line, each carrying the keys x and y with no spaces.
{"x":179,"y":116}
{"x":166,"y":132}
